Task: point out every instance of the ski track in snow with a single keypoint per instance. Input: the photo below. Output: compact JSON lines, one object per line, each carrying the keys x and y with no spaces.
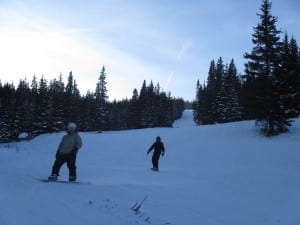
{"x":224,"y":174}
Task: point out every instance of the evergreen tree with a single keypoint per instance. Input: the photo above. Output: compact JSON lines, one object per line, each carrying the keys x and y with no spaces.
{"x":209,"y":96}
{"x":201,"y":106}
{"x":76,"y":104}
{"x":23,"y":115}
{"x":143,"y":105}
{"x":219,"y":101}
{"x":196,"y":104}
{"x":295,"y":76}
{"x":56,"y":91}
{"x":101,"y":101}
{"x":151,"y":105}
{"x":171,"y":109}
{"x":88,"y":116}
{"x":134,"y":111}
{"x":34,"y":106}
{"x":42,"y":114}
{"x":69,"y":114}
{"x":288,"y":76}
{"x":232,"y":87}
{"x":263,"y":97}
{"x":8,"y":130}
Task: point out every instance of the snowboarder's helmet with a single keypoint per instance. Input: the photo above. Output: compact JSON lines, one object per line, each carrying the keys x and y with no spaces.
{"x":158,"y":138}
{"x":72,"y":126}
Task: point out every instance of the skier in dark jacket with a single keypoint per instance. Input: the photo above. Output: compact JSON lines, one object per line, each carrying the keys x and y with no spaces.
{"x":66,"y":153}
{"x":159,"y":149}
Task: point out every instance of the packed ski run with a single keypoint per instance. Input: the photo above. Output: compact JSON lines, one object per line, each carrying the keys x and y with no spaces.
{"x":220,"y":174}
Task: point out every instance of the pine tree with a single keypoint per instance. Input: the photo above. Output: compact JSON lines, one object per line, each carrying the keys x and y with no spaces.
{"x":8,"y":130}
{"x":101,"y":101}
{"x":23,"y":113}
{"x":198,"y":106}
{"x":195,"y":104}
{"x":34,"y":106}
{"x":165,"y":112}
{"x":209,"y":95}
{"x":232,"y":86}
{"x":152,"y":110}
{"x":295,"y":75}
{"x":88,"y":116}
{"x":134,"y":110}
{"x":42,"y":114}
{"x":263,"y":61}
{"x":143,"y":106}
{"x":76,"y":105}
{"x":69,"y":114}
{"x":219,"y":103}
{"x":56,"y":91}
{"x":289,"y":77}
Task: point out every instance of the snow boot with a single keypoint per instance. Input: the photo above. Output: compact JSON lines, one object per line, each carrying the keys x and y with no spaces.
{"x":53,"y":177}
{"x":72,"y":178}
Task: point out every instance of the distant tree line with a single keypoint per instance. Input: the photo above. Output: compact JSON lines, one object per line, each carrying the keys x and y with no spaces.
{"x":42,"y":107}
{"x":268,"y":92}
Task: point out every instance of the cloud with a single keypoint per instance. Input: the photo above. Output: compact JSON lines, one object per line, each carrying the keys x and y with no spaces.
{"x":42,"y":51}
{"x":133,"y":48}
{"x":30,"y":46}
{"x":184,"y":48}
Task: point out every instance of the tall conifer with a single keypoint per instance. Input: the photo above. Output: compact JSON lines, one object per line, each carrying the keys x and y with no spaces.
{"x":263,"y":98}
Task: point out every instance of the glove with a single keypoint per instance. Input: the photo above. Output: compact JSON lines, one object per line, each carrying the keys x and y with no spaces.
{"x":162,"y":154}
{"x":148,"y":152}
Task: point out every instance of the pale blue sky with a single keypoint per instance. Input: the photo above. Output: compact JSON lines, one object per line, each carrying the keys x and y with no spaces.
{"x":168,"y":42}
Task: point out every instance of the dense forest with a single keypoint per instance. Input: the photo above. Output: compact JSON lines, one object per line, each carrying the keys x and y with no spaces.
{"x":269,"y":90}
{"x":41,"y":107}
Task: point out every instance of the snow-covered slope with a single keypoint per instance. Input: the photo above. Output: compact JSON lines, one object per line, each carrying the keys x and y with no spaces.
{"x":212,"y":175}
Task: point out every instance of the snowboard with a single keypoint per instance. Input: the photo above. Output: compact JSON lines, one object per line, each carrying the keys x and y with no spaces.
{"x":45,"y":180}
{"x":153,"y":169}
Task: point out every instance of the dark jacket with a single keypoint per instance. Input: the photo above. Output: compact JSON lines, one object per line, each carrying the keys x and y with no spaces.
{"x":158,"y":147}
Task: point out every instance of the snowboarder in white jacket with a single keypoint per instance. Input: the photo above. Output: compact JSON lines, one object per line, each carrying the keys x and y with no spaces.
{"x":67,"y":152}
{"x":159,"y":149}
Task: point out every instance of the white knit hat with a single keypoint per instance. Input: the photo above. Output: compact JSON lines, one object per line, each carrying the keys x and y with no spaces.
{"x":72,"y":126}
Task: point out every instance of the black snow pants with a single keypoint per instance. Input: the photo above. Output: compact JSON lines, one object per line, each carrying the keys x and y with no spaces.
{"x":61,"y":159}
{"x":155,"y":158}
